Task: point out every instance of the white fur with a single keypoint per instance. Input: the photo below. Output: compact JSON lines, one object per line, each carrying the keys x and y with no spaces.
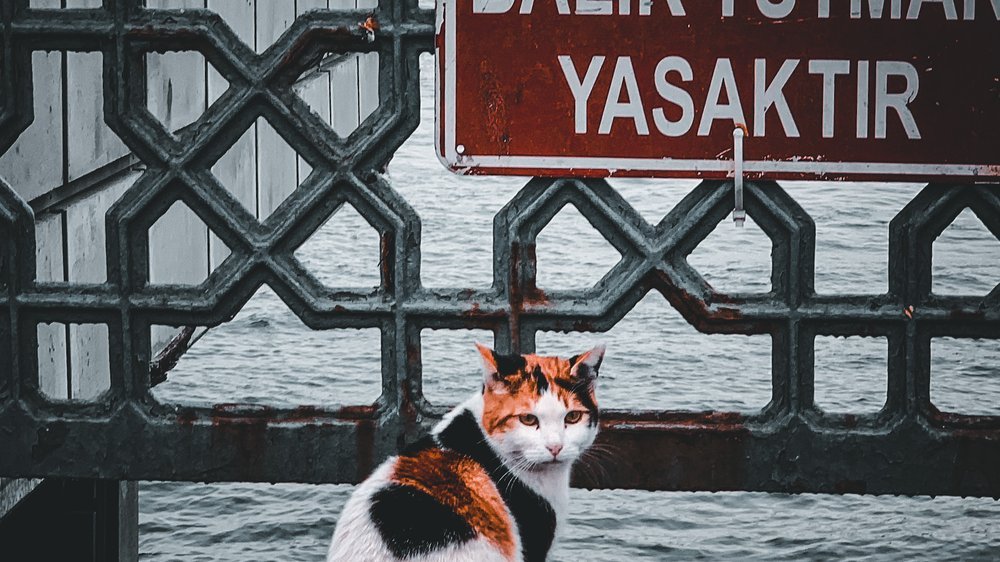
{"x":356,"y":538}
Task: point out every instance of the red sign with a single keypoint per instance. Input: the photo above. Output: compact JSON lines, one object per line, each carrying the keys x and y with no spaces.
{"x":827,"y":89}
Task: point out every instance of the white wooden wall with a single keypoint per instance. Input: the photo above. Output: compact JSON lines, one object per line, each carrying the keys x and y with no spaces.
{"x":69,"y":139}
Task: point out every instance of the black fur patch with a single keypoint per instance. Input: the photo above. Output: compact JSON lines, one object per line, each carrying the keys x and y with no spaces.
{"x":422,"y":444}
{"x":581,"y":389}
{"x":536,"y":520}
{"x":413,"y":523}
{"x":508,"y":365}
{"x":540,"y":380}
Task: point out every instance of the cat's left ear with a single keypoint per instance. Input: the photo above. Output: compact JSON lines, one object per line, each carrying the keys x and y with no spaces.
{"x":586,"y":364}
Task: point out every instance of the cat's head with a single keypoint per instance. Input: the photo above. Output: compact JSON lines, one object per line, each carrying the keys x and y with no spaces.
{"x":540,"y":412}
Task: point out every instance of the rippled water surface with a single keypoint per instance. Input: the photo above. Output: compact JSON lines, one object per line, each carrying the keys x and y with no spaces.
{"x":655,"y":360}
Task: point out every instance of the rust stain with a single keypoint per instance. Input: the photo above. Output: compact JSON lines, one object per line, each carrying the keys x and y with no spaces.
{"x":245,"y":434}
{"x":370,"y":25}
{"x":697,"y":311}
{"x":412,"y":354}
{"x":726,"y":313}
{"x":249,"y":414}
{"x":958,"y":314}
{"x":628,"y":421}
{"x":186,"y":418}
{"x":496,"y":120}
{"x":476,"y":311}
{"x":387,"y":247}
{"x":368,"y":412}
{"x":528,"y":295}
{"x":240,"y":410}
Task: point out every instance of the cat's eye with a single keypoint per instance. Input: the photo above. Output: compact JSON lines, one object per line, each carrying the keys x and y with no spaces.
{"x":574,"y":416}
{"x":528,"y":419}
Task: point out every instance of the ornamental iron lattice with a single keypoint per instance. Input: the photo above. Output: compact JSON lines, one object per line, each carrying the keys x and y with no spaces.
{"x":908,"y":447}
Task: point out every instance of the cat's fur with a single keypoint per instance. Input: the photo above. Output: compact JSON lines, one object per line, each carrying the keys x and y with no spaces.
{"x":491,"y":482}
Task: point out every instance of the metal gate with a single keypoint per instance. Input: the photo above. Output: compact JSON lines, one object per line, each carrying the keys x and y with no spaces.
{"x":909,"y":447}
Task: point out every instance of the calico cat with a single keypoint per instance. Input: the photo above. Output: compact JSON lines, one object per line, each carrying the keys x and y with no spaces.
{"x":491,"y":481}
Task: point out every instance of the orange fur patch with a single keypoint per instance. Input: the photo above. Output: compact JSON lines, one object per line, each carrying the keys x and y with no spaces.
{"x":500,"y":410}
{"x":463,"y":485}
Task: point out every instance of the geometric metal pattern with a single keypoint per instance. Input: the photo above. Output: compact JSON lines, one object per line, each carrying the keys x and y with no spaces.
{"x":906,"y":448}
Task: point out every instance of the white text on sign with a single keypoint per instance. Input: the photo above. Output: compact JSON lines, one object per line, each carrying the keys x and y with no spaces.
{"x":952,"y":10}
{"x":625,"y":102}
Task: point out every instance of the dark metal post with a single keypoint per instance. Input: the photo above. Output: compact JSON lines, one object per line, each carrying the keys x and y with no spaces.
{"x":69,"y":519}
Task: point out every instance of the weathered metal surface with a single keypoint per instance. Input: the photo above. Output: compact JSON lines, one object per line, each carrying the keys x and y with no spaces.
{"x":908,"y":447}
{"x":826,"y":90}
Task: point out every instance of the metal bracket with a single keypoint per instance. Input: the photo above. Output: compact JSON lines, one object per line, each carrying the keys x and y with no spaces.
{"x":739,"y":213}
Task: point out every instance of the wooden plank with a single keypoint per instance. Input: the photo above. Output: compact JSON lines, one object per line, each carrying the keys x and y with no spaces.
{"x":316,"y":90}
{"x":20,"y":165}
{"x":86,"y":257}
{"x":52,"y":372}
{"x":90,"y":361}
{"x":176,"y":81}
{"x":367,"y":74}
{"x":368,"y":77}
{"x":237,"y":169}
{"x":92,"y":144}
{"x":178,"y":254}
{"x":344,"y":109}
{"x":276,"y":161}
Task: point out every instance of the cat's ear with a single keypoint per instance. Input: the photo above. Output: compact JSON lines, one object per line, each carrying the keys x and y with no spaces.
{"x":497,"y":367}
{"x":587,"y":363}
{"x":492,"y":380}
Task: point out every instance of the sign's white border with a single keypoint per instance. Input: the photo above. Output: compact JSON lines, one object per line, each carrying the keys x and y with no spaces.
{"x":463,"y":163}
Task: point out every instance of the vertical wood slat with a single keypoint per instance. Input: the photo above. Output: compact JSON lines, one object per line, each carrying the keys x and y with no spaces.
{"x":237,"y":169}
{"x":315,"y":91}
{"x":344,"y":94}
{"x":91,"y":143}
{"x":85,"y":235}
{"x":52,"y":372}
{"x":175,"y":80}
{"x":20,"y":166}
{"x":276,"y":161}
{"x":176,"y":94}
{"x":367,"y":75}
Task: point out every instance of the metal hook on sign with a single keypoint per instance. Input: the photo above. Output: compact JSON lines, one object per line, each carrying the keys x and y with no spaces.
{"x":739,"y":213}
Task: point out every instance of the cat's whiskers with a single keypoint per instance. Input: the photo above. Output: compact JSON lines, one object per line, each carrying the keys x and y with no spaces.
{"x":594,"y":458}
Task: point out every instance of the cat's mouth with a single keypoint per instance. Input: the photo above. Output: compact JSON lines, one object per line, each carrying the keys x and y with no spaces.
{"x":546,"y":465}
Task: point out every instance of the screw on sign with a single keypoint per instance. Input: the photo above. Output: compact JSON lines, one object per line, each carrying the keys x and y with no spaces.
{"x":859,"y":89}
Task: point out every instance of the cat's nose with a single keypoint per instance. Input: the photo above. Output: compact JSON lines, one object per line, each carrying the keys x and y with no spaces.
{"x":554,"y":449}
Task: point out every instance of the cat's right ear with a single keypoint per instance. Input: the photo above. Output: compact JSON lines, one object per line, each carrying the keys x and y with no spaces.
{"x":492,"y":380}
{"x":498,"y":369}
